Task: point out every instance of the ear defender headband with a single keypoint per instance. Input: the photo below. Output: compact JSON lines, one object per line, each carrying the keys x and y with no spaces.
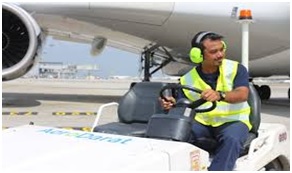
{"x":196,"y":54}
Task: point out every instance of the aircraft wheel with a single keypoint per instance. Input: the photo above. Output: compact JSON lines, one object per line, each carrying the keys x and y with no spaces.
{"x":274,"y":165}
{"x":265,"y":92}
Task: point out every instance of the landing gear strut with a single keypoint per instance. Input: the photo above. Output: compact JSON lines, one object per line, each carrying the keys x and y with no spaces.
{"x":148,"y":61}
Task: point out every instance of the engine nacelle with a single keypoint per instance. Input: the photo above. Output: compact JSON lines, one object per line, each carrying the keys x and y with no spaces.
{"x":21,"y":41}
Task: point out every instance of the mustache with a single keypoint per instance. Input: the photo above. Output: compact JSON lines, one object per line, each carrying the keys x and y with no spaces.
{"x":219,"y":58}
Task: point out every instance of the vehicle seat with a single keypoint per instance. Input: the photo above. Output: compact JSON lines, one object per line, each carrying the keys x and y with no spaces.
{"x":135,"y":109}
{"x":254,"y":102}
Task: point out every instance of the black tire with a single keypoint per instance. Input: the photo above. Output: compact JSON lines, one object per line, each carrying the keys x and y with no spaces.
{"x":265,"y":92}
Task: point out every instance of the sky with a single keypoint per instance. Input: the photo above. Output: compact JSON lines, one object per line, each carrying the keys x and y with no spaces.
{"x":110,"y":62}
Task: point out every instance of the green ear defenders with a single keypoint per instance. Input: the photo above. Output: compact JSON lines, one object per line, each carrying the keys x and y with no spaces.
{"x":196,"y":54}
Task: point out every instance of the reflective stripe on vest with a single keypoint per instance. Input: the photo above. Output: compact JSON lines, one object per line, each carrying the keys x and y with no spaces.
{"x":224,"y":112}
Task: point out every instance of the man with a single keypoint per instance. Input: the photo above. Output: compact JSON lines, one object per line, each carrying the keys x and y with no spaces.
{"x":225,"y":82}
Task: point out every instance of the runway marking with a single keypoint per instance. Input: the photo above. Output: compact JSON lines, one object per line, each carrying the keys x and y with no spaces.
{"x":19,"y":113}
{"x":29,"y":113}
{"x":73,"y":113}
{"x":85,"y":129}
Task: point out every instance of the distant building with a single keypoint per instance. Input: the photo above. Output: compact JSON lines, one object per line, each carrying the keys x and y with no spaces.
{"x":56,"y":70}
{"x":63,"y":71}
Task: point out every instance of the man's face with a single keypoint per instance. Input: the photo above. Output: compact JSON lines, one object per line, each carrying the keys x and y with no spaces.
{"x":213,"y":52}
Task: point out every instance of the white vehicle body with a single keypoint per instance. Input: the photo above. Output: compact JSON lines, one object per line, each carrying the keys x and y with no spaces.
{"x":52,"y":149}
{"x":137,"y":27}
{"x":36,"y":148}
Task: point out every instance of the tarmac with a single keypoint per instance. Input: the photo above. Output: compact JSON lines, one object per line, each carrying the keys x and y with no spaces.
{"x":59,"y":103}
{"x":74,"y":103}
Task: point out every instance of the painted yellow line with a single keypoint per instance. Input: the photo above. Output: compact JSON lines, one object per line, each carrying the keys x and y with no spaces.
{"x":73,"y":113}
{"x":13,"y":113}
{"x":29,"y":113}
{"x":86,"y":129}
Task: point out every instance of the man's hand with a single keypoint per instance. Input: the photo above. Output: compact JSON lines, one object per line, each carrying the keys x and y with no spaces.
{"x":166,"y":105}
{"x":239,"y":94}
{"x":210,"y":95}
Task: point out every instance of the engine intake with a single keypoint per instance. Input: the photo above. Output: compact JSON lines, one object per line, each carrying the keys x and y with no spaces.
{"x":21,"y":40}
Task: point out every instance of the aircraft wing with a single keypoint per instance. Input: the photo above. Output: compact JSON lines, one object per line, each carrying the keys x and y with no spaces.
{"x":137,"y":26}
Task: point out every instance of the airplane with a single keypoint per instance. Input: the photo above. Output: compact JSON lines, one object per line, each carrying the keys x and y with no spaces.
{"x":161,"y":32}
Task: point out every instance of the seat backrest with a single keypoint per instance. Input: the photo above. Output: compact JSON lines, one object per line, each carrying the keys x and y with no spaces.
{"x":255,"y":104}
{"x":140,"y":102}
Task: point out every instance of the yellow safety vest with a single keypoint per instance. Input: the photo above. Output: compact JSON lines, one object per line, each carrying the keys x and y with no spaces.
{"x":224,"y":112}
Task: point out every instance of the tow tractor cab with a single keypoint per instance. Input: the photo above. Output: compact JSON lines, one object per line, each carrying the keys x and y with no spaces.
{"x":145,"y":138}
{"x":140,"y":115}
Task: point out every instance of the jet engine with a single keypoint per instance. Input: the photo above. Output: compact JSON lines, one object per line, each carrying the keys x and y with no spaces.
{"x":21,"y":41}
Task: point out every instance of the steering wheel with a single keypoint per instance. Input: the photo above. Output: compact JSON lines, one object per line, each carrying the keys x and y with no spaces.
{"x":188,"y":103}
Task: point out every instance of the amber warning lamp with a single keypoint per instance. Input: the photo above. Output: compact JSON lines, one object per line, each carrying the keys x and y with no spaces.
{"x":245,"y":14}
{"x":245,"y":19}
